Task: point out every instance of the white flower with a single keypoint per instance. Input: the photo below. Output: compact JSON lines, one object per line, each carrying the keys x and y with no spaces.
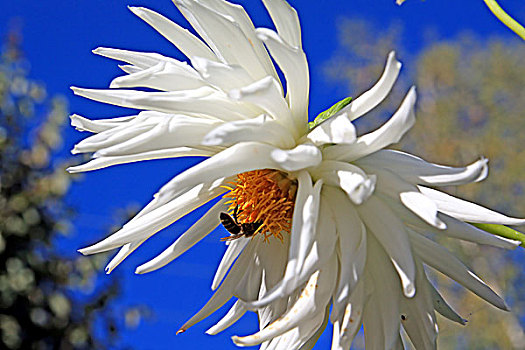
{"x":342,"y":222}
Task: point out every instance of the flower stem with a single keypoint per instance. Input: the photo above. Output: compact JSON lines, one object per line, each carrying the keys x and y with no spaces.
{"x":505,"y":18}
{"x":502,"y":231}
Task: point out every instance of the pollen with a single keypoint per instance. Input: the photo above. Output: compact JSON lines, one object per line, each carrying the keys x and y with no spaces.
{"x":265,"y":196}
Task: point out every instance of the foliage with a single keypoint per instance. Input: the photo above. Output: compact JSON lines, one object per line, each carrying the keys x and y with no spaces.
{"x":47,"y":301}
{"x":471,"y":103}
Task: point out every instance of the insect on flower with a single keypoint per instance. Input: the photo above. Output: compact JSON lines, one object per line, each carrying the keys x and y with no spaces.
{"x":339,"y":224}
{"x":236,"y":228}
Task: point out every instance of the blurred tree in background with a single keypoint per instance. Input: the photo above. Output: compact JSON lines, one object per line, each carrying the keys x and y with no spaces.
{"x":47,"y":301}
{"x":471,"y":103}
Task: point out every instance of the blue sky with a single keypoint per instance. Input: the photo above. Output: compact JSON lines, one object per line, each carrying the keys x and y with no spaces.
{"x":58,"y":38}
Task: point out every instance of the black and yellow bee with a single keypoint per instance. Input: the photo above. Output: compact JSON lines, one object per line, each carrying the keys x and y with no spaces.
{"x":235,"y":228}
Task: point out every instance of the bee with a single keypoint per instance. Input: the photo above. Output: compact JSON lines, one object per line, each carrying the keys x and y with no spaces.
{"x":235,"y":228}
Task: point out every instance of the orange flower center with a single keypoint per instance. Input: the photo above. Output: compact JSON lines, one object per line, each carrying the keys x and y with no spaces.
{"x":265,"y":196}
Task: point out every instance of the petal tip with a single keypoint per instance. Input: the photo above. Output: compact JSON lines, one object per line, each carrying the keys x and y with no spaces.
{"x":505,"y":306}
{"x":140,"y":270}
{"x":235,"y":94}
{"x":84,"y":251}
{"x":440,"y":225}
{"x":409,"y":290}
{"x":236,"y":340}
{"x":114,"y":85}
{"x":135,"y":9}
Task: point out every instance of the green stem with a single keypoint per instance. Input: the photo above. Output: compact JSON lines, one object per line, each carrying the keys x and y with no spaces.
{"x":502,"y":231}
{"x":505,"y":18}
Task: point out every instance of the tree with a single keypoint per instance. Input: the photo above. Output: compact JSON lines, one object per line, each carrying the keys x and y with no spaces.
{"x":43,"y":298}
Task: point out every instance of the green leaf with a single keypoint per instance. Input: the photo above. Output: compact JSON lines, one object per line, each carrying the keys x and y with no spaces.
{"x":502,"y":231}
{"x":330,"y":112}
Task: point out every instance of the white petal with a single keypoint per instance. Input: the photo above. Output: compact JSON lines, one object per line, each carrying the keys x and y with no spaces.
{"x":182,"y":38}
{"x":232,"y":252}
{"x":168,"y":133}
{"x":129,"y":68}
{"x":273,"y":311}
{"x":188,"y":239}
{"x":323,"y":246}
{"x":299,"y":337}
{"x":142,"y":60}
{"x":311,"y":303}
{"x":113,"y":138}
{"x":423,"y":207}
{"x":441,"y":306}
{"x":442,"y":260}
{"x":243,"y":157}
{"x":398,"y":343}
{"x":234,"y":314}
{"x":261,"y":129}
{"x":357,"y":188}
{"x":201,"y":102}
{"x":164,"y":76}
{"x":417,"y":171}
{"x":417,"y":314}
{"x":273,"y":258}
{"x":371,"y":98}
{"x":226,"y":37}
{"x":250,"y":285}
{"x":346,"y":329}
{"x":308,"y":226}
{"x":357,"y":185}
{"x":391,"y":233}
{"x":164,"y":196}
{"x":122,"y":254}
{"x":83,"y":124}
{"x":225,"y":291}
{"x":461,"y":230}
{"x":381,"y":317}
{"x":351,"y":234}
{"x":241,"y":18}
{"x":294,"y":66}
{"x":337,"y":129}
{"x":467,"y":211}
{"x":391,"y":132}
{"x":321,"y":249}
{"x":155,"y":220}
{"x":112,"y":135}
{"x":149,"y":132}
{"x":266,"y":94}
{"x":310,"y":343}
{"x":103,"y":162}
{"x":302,"y":156}
{"x":286,"y":21}
{"x":223,"y":76}
{"x":455,"y":228}
{"x":303,"y":229}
